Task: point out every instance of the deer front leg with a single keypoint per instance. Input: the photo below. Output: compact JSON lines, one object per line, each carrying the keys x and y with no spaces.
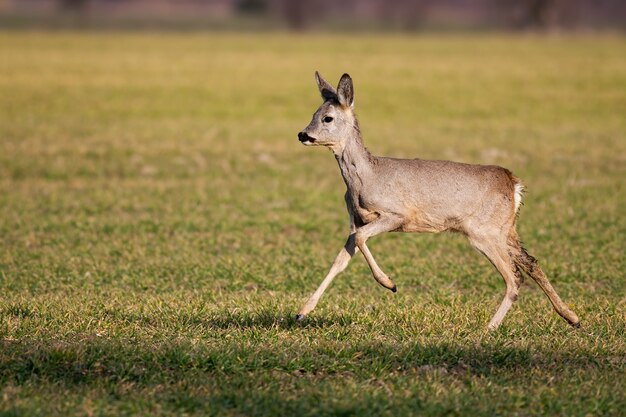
{"x":385,"y":223}
{"x":341,"y":262}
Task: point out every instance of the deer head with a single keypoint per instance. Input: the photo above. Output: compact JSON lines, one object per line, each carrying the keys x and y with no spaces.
{"x":334,"y":122}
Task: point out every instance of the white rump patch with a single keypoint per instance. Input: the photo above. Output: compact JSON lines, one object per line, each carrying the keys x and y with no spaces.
{"x":517,"y":196}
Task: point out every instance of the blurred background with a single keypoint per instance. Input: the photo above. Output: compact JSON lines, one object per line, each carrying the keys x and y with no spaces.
{"x":318,"y":14}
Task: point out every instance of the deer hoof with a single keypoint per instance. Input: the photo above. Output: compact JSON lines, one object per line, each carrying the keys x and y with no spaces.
{"x":300,"y":317}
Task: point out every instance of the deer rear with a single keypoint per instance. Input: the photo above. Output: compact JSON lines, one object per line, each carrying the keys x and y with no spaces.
{"x":415,"y":195}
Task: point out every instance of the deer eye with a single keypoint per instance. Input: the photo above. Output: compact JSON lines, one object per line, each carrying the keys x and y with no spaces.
{"x":328,"y":119}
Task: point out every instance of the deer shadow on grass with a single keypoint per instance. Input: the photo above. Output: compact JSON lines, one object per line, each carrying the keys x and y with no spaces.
{"x":271,"y":320}
{"x":224,"y":319}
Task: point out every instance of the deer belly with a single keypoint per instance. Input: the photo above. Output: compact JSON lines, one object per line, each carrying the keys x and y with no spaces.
{"x":421,"y":222}
{"x":420,"y":227}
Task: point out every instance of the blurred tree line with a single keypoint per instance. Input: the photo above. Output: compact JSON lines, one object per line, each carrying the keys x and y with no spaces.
{"x":411,"y":14}
{"x":404,"y":14}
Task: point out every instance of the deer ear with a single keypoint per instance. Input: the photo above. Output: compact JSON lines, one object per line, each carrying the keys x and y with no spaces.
{"x":327,"y":90}
{"x":345,"y":91}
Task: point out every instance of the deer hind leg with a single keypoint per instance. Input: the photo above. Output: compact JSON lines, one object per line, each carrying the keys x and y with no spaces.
{"x":496,"y":250}
{"x":341,"y":262}
{"x":519,"y":277}
{"x":530,"y":266}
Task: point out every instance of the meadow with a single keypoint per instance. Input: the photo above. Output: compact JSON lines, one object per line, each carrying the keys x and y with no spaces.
{"x":160,"y":225}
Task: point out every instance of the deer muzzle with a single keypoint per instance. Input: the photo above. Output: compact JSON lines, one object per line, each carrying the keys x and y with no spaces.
{"x":305,"y":139}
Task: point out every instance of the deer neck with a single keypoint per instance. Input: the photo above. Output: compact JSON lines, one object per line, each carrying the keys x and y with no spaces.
{"x":355,"y":162}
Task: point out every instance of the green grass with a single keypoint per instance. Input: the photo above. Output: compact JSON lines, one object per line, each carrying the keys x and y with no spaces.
{"x":160,"y":225}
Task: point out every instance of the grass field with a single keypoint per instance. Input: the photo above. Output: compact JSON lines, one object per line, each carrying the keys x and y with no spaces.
{"x":160,"y":225}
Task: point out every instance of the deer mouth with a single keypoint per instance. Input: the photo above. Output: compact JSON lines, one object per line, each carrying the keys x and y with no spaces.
{"x":305,"y":139}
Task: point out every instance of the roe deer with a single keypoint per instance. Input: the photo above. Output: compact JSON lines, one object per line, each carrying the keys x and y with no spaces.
{"x":415,"y":195}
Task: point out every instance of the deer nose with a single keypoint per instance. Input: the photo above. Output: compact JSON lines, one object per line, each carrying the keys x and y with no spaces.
{"x":304,"y":137}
